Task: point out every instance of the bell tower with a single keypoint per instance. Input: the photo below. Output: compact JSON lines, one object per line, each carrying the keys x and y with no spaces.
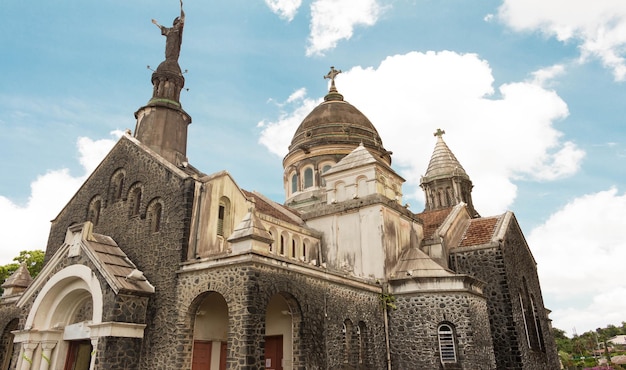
{"x":446,"y":183}
{"x":162,"y":123}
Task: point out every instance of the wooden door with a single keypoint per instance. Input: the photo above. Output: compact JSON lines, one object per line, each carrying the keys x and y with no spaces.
{"x":223,"y":355}
{"x":78,"y":355}
{"x":201,"y":357}
{"x":274,"y":352}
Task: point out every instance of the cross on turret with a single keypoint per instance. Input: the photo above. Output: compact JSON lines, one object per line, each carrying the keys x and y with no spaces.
{"x":439,"y":132}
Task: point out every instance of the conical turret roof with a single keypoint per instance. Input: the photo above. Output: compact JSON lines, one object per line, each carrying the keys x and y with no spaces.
{"x":443,"y":163}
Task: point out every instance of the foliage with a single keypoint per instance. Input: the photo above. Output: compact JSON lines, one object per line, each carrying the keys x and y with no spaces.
{"x":33,"y":260}
{"x":388,"y":301}
{"x":585,"y":351}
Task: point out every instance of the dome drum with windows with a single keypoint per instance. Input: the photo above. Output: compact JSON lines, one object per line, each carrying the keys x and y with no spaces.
{"x":330,"y":132}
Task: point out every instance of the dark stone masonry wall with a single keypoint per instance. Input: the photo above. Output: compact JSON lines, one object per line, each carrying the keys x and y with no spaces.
{"x":9,"y":319}
{"x":157,"y":254}
{"x":118,"y":353}
{"x":414,"y":324}
{"x":504,"y":268}
{"x":319,"y":310}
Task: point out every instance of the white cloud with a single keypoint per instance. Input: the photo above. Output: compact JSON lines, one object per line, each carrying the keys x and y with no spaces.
{"x":544,"y":76}
{"x":580,"y":251}
{"x":27,"y":227}
{"x":409,"y":96}
{"x":599,"y":26}
{"x":334,"y":20}
{"x":285,"y":9}
{"x":276,"y":135}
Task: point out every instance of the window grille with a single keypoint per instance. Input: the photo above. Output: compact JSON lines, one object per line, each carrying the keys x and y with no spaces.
{"x":447,"y":351}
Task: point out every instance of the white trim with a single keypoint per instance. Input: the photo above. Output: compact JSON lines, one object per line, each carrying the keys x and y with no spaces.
{"x":117,"y":329}
{"x":66,"y":281}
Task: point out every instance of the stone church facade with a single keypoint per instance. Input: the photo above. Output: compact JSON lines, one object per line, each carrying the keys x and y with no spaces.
{"x":156,"y":265}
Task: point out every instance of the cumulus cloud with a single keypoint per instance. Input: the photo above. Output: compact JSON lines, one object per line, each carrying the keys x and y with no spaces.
{"x":335,"y":20}
{"x":26,"y":227}
{"x":285,"y":9}
{"x":582,"y":248}
{"x":598,"y":26}
{"x":409,"y":96}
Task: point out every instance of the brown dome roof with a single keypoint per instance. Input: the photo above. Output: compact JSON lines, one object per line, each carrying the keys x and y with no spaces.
{"x":336,"y":121}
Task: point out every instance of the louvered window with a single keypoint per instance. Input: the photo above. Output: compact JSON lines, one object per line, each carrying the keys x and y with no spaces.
{"x":446,"y":344}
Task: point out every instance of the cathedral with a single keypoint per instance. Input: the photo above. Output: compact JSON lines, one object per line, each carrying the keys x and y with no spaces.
{"x":153,"y":264}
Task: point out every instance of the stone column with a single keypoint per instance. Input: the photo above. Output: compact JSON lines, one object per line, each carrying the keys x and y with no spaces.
{"x":94,"y":352}
{"x":46,"y":354}
{"x":27,"y":355}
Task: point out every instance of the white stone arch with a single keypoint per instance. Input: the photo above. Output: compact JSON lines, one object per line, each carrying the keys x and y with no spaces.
{"x":70,"y":281}
{"x":49,"y":327}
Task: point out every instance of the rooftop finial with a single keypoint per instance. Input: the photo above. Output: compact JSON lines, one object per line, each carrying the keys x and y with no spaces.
{"x":174,"y":35}
{"x":439,"y":132}
{"x":331,"y":75}
{"x":332,"y":93}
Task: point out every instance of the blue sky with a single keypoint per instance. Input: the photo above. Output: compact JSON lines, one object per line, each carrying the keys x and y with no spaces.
{"x":531,"y":97}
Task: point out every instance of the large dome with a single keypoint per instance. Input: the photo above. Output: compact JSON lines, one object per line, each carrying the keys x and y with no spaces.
{"x":329,"y":133}
{"x":336,"y":122}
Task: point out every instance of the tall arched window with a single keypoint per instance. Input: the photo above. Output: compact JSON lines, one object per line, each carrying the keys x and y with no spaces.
{"x":223,"y":217}
{"x":93,"y":212}
{"x":308,"y":177}
{"x":447,"y":346}
{"x":116,"y":187}
{"x":283,"y":243}
{"x":155,"y":215}
{"x":135,"y":200}
{"x":347,"y":340}
{"x":325,"y":168}
{"x":294,"y":183}
{"x":294,"y":249}
{"x":305,"y":250}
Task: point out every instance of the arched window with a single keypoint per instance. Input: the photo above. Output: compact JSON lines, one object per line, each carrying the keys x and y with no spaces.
{"x":308,"y":177}
{"x":537,"y":321}
{"x":283,"y":243}
{"x":155,"y":215}
{"x":223,"y":217}
{"x":272,"y":232}
{"x":325,"y":168}
{"x":93,"y":212}
{"x":294,"y":248}
{"x":361,"y":336}
{"x":135,"y":200}
{"x":294,"y":183}
{"x":348,"y":344}
{"x":447,"y":350}
{"x":361,"y":187}
{"x":116,"y":187}
{"x":305,"y":250}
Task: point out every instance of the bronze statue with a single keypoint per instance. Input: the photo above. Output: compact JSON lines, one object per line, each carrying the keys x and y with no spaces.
{"x":174,"y":35}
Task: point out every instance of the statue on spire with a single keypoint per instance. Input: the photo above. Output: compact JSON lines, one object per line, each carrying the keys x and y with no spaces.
{"x":173,"y":35}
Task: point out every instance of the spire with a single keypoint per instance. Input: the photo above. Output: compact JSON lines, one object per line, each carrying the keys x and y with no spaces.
{"x":446,"y":183}
{"x":162,"y":123}
{"x":333,"y":94}
{"x":17,"y":282}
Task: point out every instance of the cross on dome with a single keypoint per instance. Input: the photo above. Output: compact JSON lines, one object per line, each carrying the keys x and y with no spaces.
{"x":331,"y":75}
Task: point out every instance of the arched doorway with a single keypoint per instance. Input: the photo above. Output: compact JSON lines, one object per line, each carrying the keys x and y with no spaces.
{"x":210,"y":333}
{"x":60,"y":320}
{"x":279,"y":334}
{"x":6,"y":345}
